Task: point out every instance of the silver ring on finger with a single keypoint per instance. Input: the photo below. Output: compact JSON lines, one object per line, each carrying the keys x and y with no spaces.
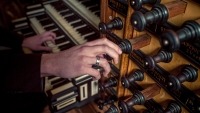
{"x":97,"y":60}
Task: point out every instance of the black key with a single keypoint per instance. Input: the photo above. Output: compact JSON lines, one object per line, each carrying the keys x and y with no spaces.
{"x":58,"y":33}
{"x":50,"y":28}
{"x":92,"y":37}
{"x":71,"y":18}
{"x":85,"y":30}
{"x":40,"y":17}
{"x":97,"y":13}
{"x":88,"y":3}
{"x":45,"y":22}
{"x":95,"y":8}
{"x":65,"y":13}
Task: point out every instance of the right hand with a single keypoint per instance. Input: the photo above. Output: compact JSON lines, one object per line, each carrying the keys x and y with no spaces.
{"x":78,"y":60}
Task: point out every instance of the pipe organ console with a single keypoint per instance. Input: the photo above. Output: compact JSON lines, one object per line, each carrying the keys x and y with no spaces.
{"x":158,"y":70}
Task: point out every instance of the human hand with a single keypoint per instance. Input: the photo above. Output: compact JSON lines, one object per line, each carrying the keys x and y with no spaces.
{"x":78,"y":60}
{"x":35,"y":42}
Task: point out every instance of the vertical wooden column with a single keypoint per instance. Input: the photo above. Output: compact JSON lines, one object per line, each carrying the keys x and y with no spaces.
{"x":124,"y":66}
{"x":107,"y":14}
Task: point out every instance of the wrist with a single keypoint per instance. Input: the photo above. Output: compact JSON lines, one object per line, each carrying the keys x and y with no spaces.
{"x":48,"y":66}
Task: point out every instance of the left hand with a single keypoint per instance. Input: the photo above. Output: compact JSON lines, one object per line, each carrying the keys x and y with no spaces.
{"x":35,"y":42}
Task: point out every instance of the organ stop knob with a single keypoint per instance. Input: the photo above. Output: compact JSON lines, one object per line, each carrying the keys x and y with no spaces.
{"x":158,"y":14}
{"x":137,"y":4}
{"x":188,"y":73}
{"x":137,"y":75}
{"x":139,"y":98}
{"x":171,"y":40}
{"x":169,"y":107}
{"x":110,"y":82}
{"x":108,"y":100}
{"x":116,"y":23}
{"x":112,"y":109}
{"x":127,"y":45}
{"x":162,"y":56}
{"x":173,"y":107}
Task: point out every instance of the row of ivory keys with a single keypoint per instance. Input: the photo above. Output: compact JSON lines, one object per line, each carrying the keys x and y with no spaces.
{"x":68,"y":21}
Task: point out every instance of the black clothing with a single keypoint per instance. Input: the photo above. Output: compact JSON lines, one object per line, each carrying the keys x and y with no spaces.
{"x":21,"y":84}
{"x":10,"y":40}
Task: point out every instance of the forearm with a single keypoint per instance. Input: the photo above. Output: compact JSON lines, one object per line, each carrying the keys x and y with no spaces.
{"x":48,"y":65}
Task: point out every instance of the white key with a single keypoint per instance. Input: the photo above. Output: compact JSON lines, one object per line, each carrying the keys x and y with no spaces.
{"x":48,"y":25}
{"x":62,"y":11}
{"x":76,"y":21}
{"x":91,"y":33}
{"x":64,"y":43}
{"x":59,"y":37}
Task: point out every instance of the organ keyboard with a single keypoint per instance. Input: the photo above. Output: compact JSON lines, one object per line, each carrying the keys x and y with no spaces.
{"x":71,"y":29}
{"x":85,"y":7}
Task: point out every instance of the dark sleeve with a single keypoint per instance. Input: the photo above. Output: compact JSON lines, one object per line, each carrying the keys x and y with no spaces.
{"x":10,"y":39}
{"x":20,"y":72}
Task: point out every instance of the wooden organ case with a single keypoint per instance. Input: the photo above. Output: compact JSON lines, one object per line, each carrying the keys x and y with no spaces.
{"x":160,"y":74}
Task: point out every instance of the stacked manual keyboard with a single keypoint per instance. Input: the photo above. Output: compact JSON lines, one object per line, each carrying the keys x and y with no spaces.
{"x":72,"y":27}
